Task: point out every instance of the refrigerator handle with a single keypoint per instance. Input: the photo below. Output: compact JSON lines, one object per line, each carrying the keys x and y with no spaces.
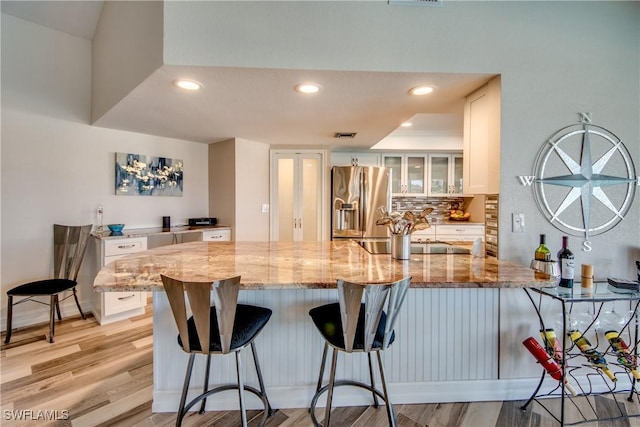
{"x":364,"y":201}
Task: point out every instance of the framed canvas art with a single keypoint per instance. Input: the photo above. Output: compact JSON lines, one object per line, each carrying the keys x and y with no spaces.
{"x":141,"y":175}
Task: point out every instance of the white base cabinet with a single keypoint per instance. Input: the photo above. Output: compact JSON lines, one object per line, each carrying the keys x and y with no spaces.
{"x":113,"y":306}
{"x":450,"y":233}
{"x":222,"y":235}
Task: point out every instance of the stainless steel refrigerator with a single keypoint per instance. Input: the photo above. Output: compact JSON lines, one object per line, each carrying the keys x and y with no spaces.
{"x":357,"y":193}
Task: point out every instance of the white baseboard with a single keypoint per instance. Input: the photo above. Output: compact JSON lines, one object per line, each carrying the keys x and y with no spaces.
{"x":401,"y":393}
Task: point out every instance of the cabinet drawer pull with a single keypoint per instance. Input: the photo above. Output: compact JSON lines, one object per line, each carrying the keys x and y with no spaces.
{"x":127,"y":297}
{"x":131,"y":245}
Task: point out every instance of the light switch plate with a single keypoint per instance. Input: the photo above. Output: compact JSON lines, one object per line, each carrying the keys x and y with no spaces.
{"x":517,"y":222}
{"x":265,"y":208}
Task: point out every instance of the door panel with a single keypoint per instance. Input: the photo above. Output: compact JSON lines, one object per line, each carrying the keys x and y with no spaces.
{"x":309,"y":221}
{"x":286,"y":195}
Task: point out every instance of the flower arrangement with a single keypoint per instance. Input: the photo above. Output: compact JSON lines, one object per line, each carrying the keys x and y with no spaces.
{"x":404,"y":223}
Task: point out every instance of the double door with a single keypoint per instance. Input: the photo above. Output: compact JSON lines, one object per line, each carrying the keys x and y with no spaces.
{"x":296,"y":196}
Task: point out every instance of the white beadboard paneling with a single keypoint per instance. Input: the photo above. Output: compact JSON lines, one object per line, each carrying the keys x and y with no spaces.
{"x":442,"y":335}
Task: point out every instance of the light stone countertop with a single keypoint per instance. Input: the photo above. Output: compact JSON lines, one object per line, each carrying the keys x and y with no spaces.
{"x":307,"y":265}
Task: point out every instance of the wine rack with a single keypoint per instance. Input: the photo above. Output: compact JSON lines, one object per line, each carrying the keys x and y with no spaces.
{"x":596,"y":352}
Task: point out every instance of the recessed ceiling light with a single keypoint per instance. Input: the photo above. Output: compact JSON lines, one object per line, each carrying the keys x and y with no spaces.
{"x":188,"y":84}
{"x":308,"y":87}
{"x":406,"y":124}
{"x":422,"y":90}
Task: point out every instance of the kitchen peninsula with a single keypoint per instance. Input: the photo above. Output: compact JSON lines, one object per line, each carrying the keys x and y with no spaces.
{"x":447,"y":332}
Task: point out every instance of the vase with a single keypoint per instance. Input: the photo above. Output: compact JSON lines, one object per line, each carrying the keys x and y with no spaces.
{"x":400,"y":246}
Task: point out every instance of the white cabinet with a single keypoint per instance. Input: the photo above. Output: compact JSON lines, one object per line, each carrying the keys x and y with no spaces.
{"x":424,"y":235}
{"x":445,"y":175}
{"x":217,"y":235}
{"x":408,"y":173}
{"x":112,"y":306}
{"x":459,"y":232}
{"x":450,"y":233}
{"x":482,"y":140}
{"x":362,"y":158}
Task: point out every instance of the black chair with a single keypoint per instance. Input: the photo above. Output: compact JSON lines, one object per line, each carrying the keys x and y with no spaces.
{"x":352,"y":325}
{"x":69,"y":245}
{"x":222,"y":328}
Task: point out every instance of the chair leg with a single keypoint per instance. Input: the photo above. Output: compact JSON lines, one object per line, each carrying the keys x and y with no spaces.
{"x":75,"y":296}
{"x":58,"y":308}
{"x":243,"y":411}
{"x":390,"y":414}
{"x":263,"y":390}
{"x":206,"y":383}
{"x":324,"y":362}
{"x":52,"y":318}
{"x":185,"y":389}
{"x":373,"y":384}
{"x":9,"y":318}
{"x":332,"y":378}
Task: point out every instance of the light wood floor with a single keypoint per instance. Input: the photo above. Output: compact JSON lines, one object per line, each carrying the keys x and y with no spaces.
{"x":102,"y":376}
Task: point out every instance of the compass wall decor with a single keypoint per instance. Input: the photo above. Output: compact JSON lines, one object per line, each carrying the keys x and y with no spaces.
{"x":584,"y":180}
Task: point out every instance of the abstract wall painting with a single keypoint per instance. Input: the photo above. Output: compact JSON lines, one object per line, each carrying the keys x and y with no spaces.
{"x":141,"y":175}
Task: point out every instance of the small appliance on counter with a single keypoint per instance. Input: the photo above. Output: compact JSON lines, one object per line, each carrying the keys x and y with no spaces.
{"x":202,"y":222}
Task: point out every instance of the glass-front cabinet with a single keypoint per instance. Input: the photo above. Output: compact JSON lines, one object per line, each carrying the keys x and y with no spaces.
{"x":408,"y":173}
{"x":445,"y":174}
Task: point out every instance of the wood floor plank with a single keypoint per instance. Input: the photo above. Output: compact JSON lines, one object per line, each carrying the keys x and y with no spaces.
{"x":420,"y":414}
{"x":511,"y":415}
{"x":481,"y":414}
{"x":114,"y":410}
{"x":298,"y":417}
{"x":36,"y":388}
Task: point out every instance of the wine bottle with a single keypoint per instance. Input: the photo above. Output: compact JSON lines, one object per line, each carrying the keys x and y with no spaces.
{"x":542,"y":252}
{"x":565,"y":259}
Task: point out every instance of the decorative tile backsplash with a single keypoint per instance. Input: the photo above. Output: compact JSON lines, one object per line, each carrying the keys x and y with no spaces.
{"x":441,"y":205}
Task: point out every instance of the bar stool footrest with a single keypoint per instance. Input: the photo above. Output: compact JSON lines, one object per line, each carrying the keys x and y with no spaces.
{"x":268,"y":410}
{"x":314,"y":401}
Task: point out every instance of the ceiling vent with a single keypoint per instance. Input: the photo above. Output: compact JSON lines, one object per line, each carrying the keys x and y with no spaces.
{"x":345,"y":135}
{"x":416,"y":2}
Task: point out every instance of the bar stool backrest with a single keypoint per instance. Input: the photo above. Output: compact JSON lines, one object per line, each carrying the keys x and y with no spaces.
{"x":69,"y":245}
{"x":375,"y":297}
{"x":225,"y":296}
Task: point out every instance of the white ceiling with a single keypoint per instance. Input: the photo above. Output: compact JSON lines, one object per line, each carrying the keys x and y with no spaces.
{"x":261,"y":104}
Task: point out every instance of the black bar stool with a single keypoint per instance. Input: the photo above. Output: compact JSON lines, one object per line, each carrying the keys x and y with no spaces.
{"x":352,"y":325}
{"x":222,"y":328}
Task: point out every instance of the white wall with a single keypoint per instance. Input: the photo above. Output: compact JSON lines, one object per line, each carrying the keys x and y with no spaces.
{"x":56,"y":168}
{"x":252,"y":190}
{"x":238,"y":188}
{"x":127,"y":48}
